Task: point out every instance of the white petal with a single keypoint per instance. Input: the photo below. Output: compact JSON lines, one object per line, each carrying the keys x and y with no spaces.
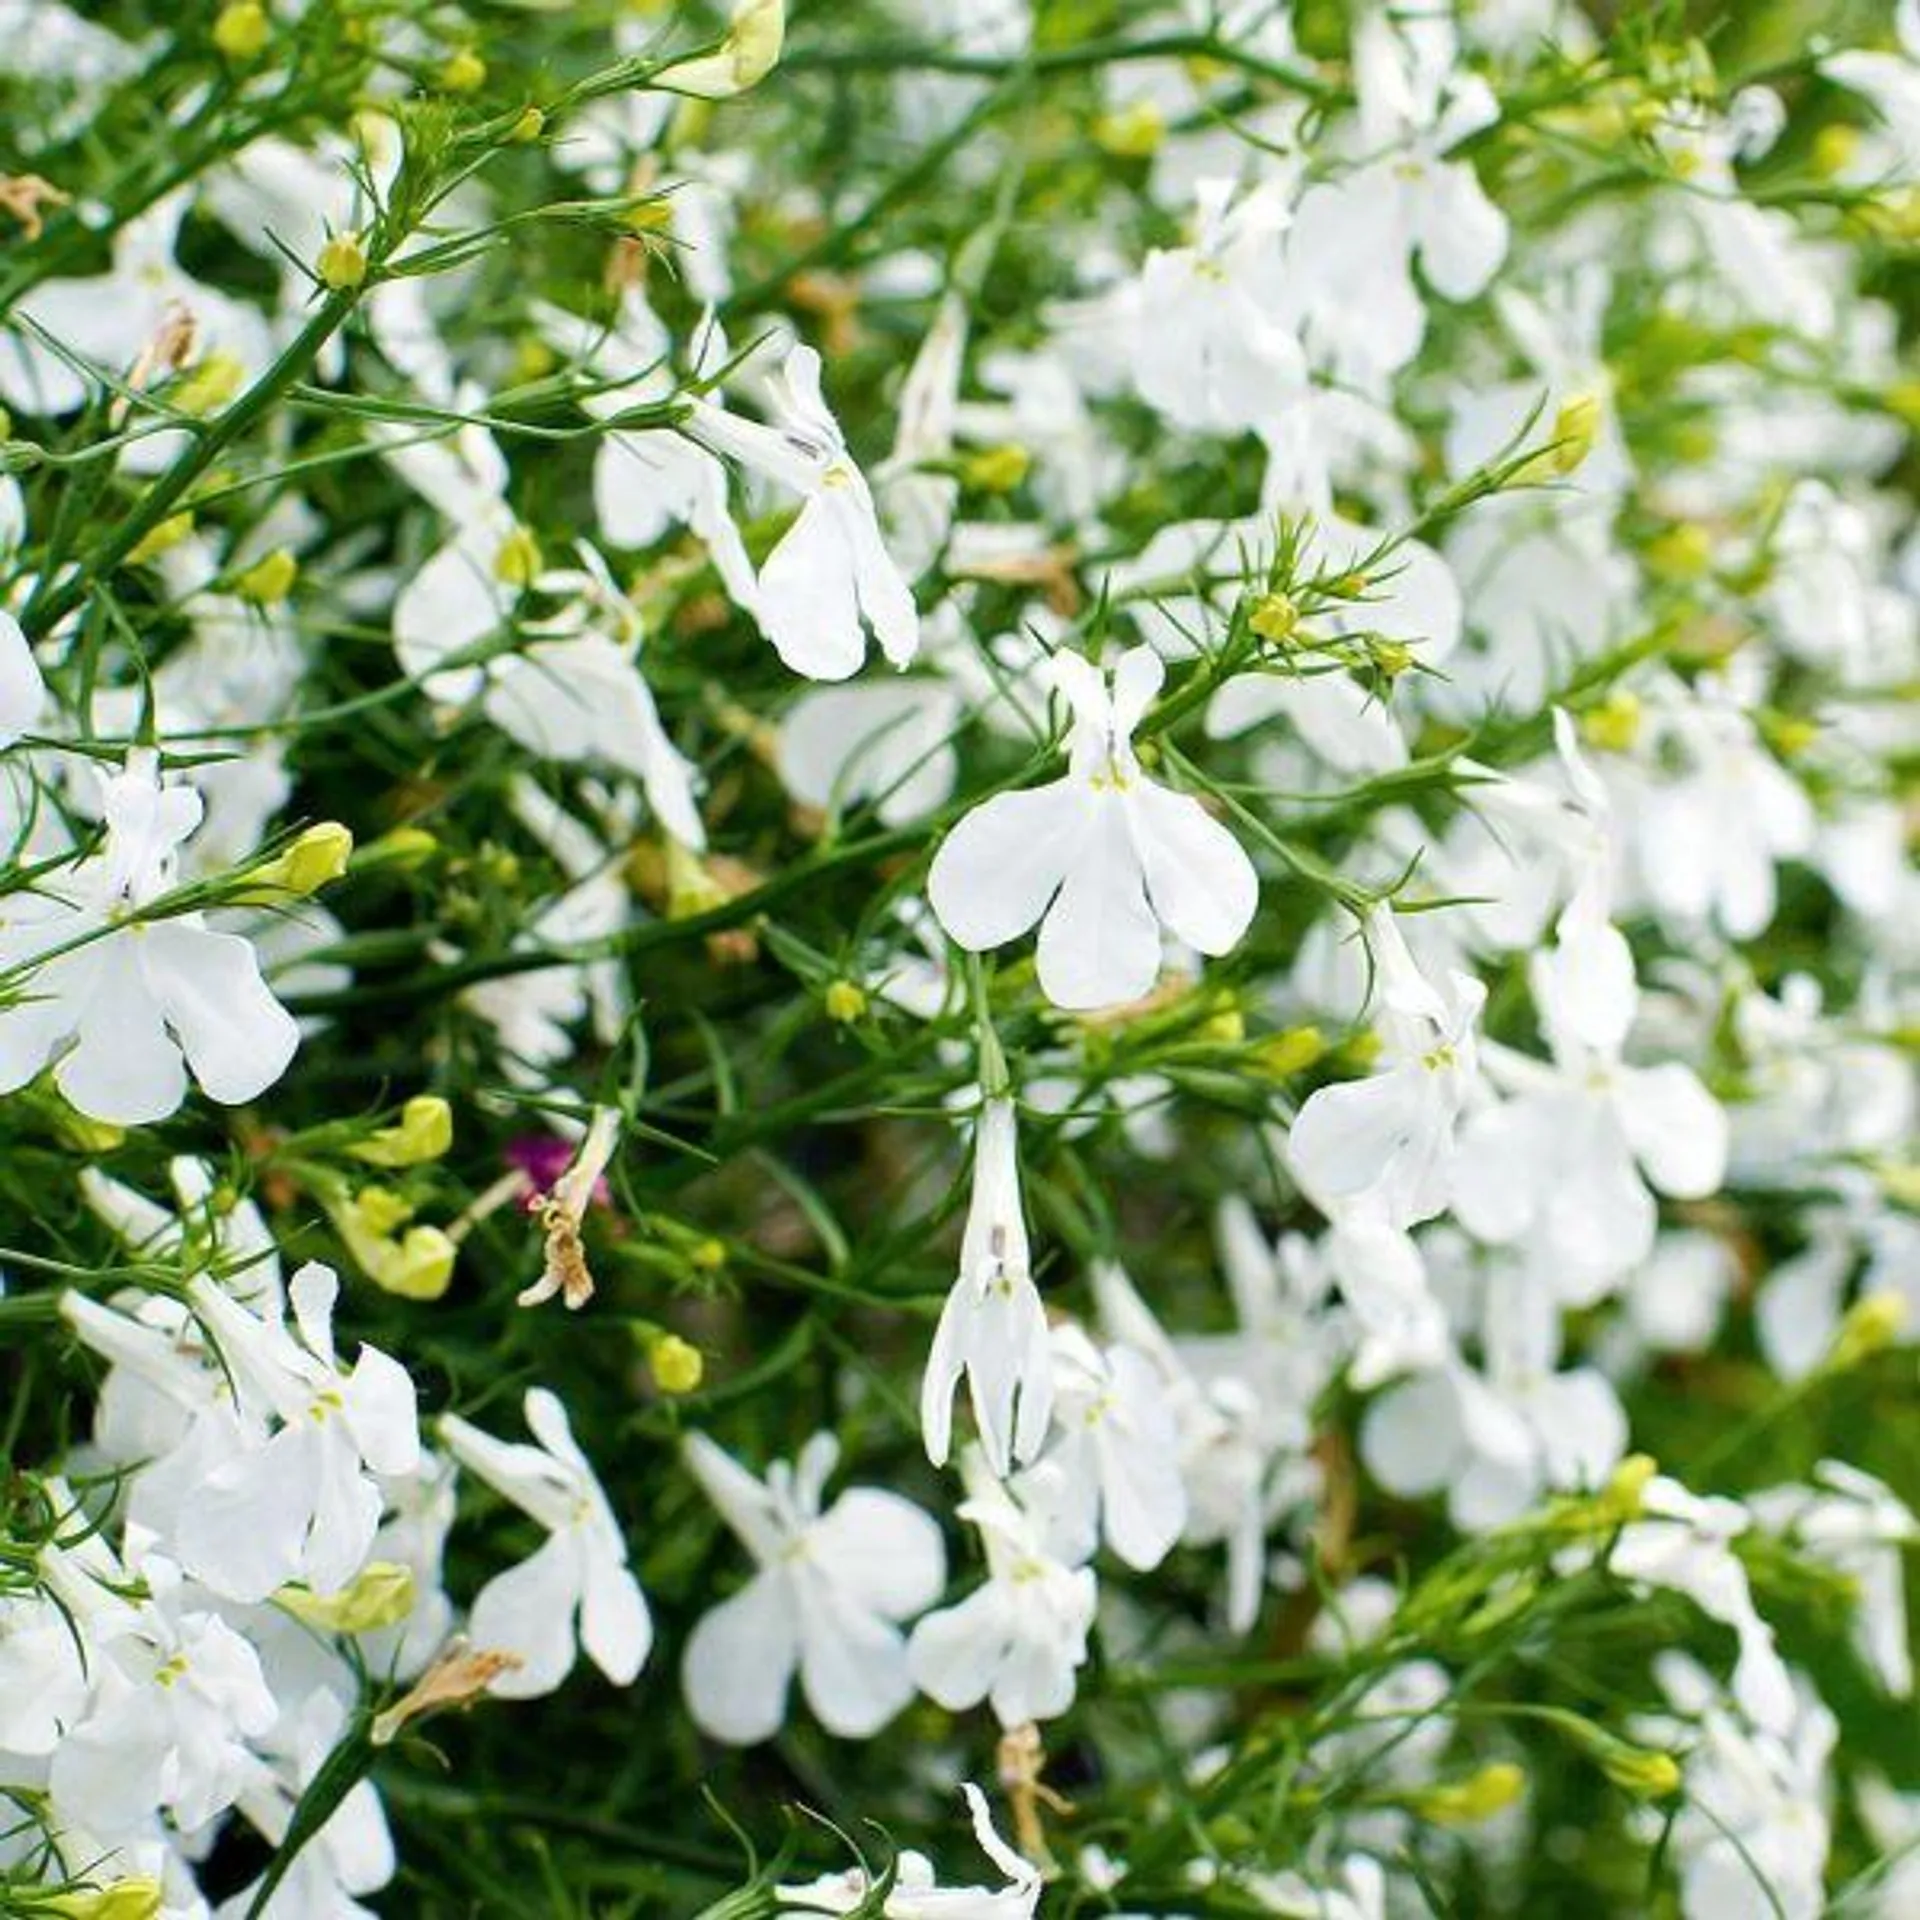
{"x":237,"y":1037}
{"x":1200,"y":882}
{"x":529,"y":1611}
{"x":615,"y":1627}
{"x":1678,"y":1130}
{"x":740,"y":1660}
{"x":123,"y":1068}
{"x":955,"y":1654}
{"x":1100,"y":943}
{"x":22,"y":691}
{"x":999,"y":868}
{"x":808,"y":602}
{"x":884,"y":1550}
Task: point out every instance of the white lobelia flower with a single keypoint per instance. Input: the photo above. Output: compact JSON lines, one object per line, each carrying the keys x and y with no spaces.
{"x":213,"y":1227}
{"x":177,"y":1694}
{"x":123,"y":1007}
{"x":1017,"y":1641}
{"x":916,"y":1893}
{"x":1565,"y":1163}
{"x":1103,"y":858}
{"x":993,"y":1328}
{"x":576,"y":1586}
{"x":1210,"y":356}
{"x":304,"y":1503}
{"x":830,"y":576}
{"x":1384,"y":1145}
{"x":1113,"y":1464}
{"x":827,"y":1596}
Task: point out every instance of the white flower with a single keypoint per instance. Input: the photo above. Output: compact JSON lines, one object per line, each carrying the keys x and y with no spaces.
{"x":993,"y":1328}
{"x":891,"y":744}
{"x":306,"y":1503}
{"x":1103,"y":858}
{"x":576,"y":1585}
{"x":755,"y":34}
{"x":176,"y":1695}
{"x":825,"y":1600}
{"x":916,"y":1893}
{"x":1018,"y":1640}
{"x":1384,"y":1145}
{"x":1211,"y":354}
{"x":831,"y":572}
{"x":123,"y":1007}
{"x":1565,"y":1163}
{"x":1115,"y":1452}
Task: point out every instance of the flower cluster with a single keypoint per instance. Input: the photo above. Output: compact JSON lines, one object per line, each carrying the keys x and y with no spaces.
{"x":1055,"y":857}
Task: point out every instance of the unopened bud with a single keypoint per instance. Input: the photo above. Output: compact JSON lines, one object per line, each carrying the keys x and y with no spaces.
{"x":404,"y":848}
{"x":135,"y":1898}
{"x":313,"y":859}
{"x":518,"y":560}
{"x":676,"y":1365}
{"x":270,"y":579}
{"x":464,"y":72}
{"x":161,"y":539}
{"x":1292,"y":1051}
{"x":1872,"y":1324}
{"x":1390,"y":657}
{"x":342,"y":265}
{"x":528,"y":128}
{"x":424,"y":1132}
{"x":211,"y":384}
{"x":1466,"y":1803}
{"x":1134,"y":132}
{"x":1683,"y":552}
{"x":996,"y":469}
{"x":845,"y":1002}
{"x":1614,"y":725}
{"x":242,"y":30}
{"x":1274,"y":617}
{"x":1575,"y":428}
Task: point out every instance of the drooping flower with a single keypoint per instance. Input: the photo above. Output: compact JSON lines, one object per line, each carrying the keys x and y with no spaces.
{"x":993,"y":1328}
{"x":1103,"y":858}
{"x":825,"y":1601}
{"x":830,"y":577}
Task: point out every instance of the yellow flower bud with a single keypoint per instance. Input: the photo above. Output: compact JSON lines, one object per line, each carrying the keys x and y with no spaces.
{"x":167,"y":535}
{"x":342,"y":265}
{"x":242,"y":30}
{"x":380,"y":1595}
{"x":465,"y":72}
{"x":1274,"y":617}
{"x":404,"y":848}
{"x":1575,"y":428}
{"x":1835,"y":148}
{"x":1466,"y":1803}
{"x":996,"y":469}
{"x":424,"y":1132}
{"x":1614,"y":725}
{"x":1872,"y":1324}
{"x":528,"y":128}
{"x":676,"y":1364}
{"x":314,"y":859}
{"x":518,"y":559}
{"x":1788,"y":734}
{"x":417,"y":1266}
{"x":708,"y":1255}
{"x":1389,"y":657}
{"x":1292,"y":1051}
{"x":1683,"y":552}
{"x":845,"y":1002}
{"x":210,"y":385}
{"x":1133,"y":133}
{"x":270,"y":579}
